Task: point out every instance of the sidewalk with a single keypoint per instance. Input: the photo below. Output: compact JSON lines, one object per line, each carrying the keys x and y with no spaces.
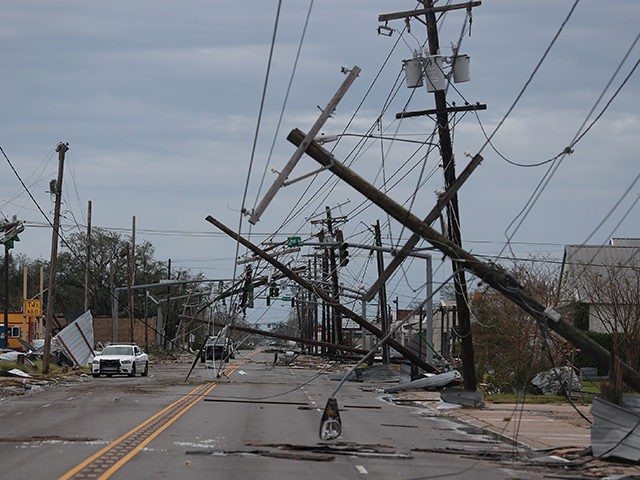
{"x":537,"y":426}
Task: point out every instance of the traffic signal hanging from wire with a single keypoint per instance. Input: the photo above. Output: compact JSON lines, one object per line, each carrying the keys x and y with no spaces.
{"x":250,"y":296}
{"x":342,"y":248}
{"x":9,"y":232}
{"x":344,"y":254}
{"x":247,"y":290}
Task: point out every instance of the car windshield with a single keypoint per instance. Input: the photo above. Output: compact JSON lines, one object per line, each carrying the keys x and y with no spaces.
{"x":117,"y":350}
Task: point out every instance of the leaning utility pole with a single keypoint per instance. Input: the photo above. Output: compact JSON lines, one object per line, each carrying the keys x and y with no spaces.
{"x":315,"y":129}
{"x":401,"y":349}
{"x":502,"y":282}
{"x":46,"y":358}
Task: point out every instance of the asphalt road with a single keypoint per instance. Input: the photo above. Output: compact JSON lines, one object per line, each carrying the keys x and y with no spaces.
{"x":261,"y":422}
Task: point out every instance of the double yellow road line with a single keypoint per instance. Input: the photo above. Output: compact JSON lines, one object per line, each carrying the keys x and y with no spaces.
{"x":104,"y":463}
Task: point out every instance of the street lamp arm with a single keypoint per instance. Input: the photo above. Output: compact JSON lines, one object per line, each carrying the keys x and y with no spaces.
{"x":322,"y":139}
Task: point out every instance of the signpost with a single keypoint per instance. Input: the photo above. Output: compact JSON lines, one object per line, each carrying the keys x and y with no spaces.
{"x":33,"y":308}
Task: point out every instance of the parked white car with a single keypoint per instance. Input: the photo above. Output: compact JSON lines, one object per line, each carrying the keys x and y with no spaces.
{"x":117,"y":359}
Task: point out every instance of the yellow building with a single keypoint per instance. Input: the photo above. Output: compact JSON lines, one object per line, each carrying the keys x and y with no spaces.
{"x":19,"y":328}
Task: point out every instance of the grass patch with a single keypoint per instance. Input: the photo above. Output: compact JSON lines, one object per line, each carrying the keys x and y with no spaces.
{"x":591,"y":387}
{"x":35,"y":370}
{"x":519,"y":398}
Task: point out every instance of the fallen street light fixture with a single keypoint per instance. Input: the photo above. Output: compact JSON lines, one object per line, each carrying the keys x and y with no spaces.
{"x":322,"y":139}
{"x":330,"y":423}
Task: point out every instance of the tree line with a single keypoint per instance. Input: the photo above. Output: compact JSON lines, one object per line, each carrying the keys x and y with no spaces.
{"x":108,"y":269}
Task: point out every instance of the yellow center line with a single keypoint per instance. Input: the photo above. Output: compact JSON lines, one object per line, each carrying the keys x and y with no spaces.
{"x":116,"y":466}
{"x":182,"y":405}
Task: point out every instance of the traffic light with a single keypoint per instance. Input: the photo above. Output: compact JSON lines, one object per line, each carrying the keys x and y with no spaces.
{"x":342,"y":248}
{"x":343,"y":254}
{"x":10,"y":231}
{"x":247,"y":296}
{"x":274,"y":291}
{"x":250,"y":296}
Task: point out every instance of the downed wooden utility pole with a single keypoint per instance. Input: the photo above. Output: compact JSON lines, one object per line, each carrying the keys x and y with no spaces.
{"x":405,"y":251}
{"x":497,"y":279}
{"x":282,"y":336}
{"x":401,"y":349}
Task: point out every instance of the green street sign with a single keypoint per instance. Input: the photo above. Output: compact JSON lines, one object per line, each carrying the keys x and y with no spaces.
{"x":294,"y":242}
{"x":285,"y":299}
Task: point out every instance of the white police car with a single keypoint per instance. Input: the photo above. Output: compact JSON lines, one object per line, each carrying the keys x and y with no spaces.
{"x":116,"y":359}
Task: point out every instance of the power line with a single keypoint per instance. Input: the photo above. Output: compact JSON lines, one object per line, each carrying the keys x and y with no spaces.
{"x":533,"y":73}
{"x":256,"y":133}
{"x":284,"y":103}
{"x":568,"y":150}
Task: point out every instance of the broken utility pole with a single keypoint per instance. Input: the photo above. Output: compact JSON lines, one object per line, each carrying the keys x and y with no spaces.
{"x":282,"y":336}
{"x":315,"y":129}
{"x":405,"y":251}
{"x":401,"y":349}
{"x":494,"y":277}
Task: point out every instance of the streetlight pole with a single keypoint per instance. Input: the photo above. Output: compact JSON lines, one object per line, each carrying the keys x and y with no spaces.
{"x":322,"y":139}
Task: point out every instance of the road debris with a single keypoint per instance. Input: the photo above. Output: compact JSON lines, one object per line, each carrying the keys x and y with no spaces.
{"x":339,"y":448}
{"x":265,"y":453}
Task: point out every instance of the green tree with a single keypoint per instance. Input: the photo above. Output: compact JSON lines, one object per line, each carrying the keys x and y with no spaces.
{"x":16,"y":265}
{"x":108,"y":267}
{"x":510,"y":347}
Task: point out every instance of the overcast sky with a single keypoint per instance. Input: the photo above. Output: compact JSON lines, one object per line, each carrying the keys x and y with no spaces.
{"x":159,"y":102}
